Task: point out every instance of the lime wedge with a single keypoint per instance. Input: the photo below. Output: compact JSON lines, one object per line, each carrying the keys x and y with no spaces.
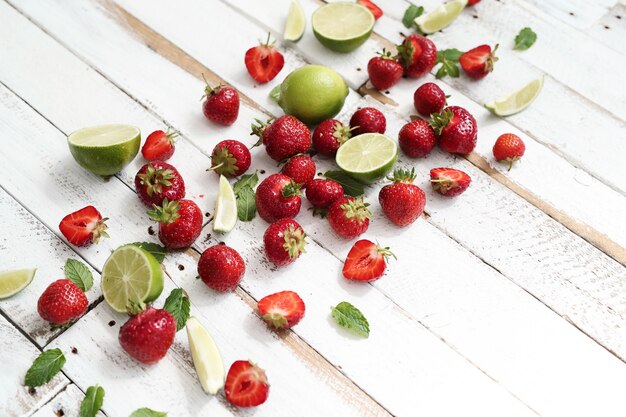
{"x":206,"y":357}
{"x":367,"y":157}
{"x":105,"y":150}
{"x":342,"y":27}
{"x":296,"y":22}
{"x":225,"y":208}
{"x":12,"y":282}
{"x":131,"y":274}
{"x":517,"y":100}
{"x":440,"y":17}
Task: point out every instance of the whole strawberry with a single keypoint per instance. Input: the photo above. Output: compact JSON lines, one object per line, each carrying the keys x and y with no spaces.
{"x":472,"y":2}
{"x":278,"y":197}
{"x":418,"y":55}
{"x":384,"y":70}
{"x":159,"y":146}
{"x":322,"y":193}
{"x":329,"y":135}
{"x":478,"y":62}
{"x":456,"y":130}
{"x":429,"y":99}
{"x":180,"y":223}
{"x":509,"y":148}
{"x":221,"y":105}
{"x":62,"y":302}
{"x":281,"y":310}
{"x":84,"y":226}
{"x":417,"y":138}
{"x":301,"y":169}
{"x":283,"y":137}
{"x":246,"y":385}
{"x":368,"y":120}
{"x":449,"y":181}
{"x":230,"y":158}
{"x":158,"y":180}
{"x":349,"y":217}
{"x":402,"y":202}
{"x":264,"y":62}
{"x":221,"y":268}
{"x":148,"y":335}
{"x":283,"y":242}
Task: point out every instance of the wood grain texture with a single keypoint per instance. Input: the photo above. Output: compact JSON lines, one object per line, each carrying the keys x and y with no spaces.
{"x":577,"y":13}
{"x":65,"y":403}
{"x":611,"y":28}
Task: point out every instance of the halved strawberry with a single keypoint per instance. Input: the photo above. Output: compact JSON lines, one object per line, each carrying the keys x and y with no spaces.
{"x":159,"y":146}
{"x":366,"y":261}
{"x":449,"y":181}
{"x":282,"y":310}
{"x":246,"y":384}
{"x":376,"y":11}
{"x":84,"y":226}
{"x":478,"y":62}
{"x":264,"y":62}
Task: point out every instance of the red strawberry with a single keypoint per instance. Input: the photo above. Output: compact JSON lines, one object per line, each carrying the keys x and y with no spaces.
{"x":349,"y":217}
{"x":366,"y":261}
{"x":456,"y":130}
{"x":148,"y":335}
{"x":376,"y":11}
{"x":159,"y":146}
{"x":180,"y":223}
{"x":283,"y":137}
{"x":62,"y":302}
{"x":322,"y":193}
{"x":230,"y":158}
{"x":329,"y":135}
{"x":472,"y":2}
{"x":264,"y":62}
{"x":301,"y":169}
{"x":246,"y":384}
{"x":418,"y":55}
{"x":417,"y":138}
{"x":384,"y":70}
{"x":157,"y":181}
{"x":509,"y":148}
{"x":402,"y":202}
{"x":284,"y":242}
{"x":478,"y":62}
{"x":221,"y":105}
{"x":221,"y":268}
{"x":368,"y":120}
{"x":84,"y":226}
{"x":278,"y":197}
{"x":282,"y":310}
{"x":449,"y":181}
{"x":429,"y":99}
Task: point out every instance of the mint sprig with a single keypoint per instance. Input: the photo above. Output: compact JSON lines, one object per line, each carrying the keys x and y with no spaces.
{"x":448,"y":58}
{"x":350,"y":186}
{"x":348,"y":316}
{"x":44,"y":368}
{"x":178,"y":304}
{"x":92,"y":403}
{"x":246,"y":199}
{"x":79,"y":274}
{"x":525,"y":39}
{"x":410,"y":14}
{"x":157,"y":251}
{"x":146,"y":412}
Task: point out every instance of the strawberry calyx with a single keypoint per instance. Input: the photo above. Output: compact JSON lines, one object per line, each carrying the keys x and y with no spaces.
{"x":154,"y":179}
{"x":166,"y":213}
{"x":443,"y":184}
{"x":438,"y":121}
{"x":511,"y":160}
{"x":99,"y":230}
{"x":403,"y":176}
{"x":385,"y":54}
{"x":208,"y":90}
{"x":385,"y":252}
{"x":356,"y":209}
{"x":342,"y":133}
{"x":294,"y":241}
{"x":267,"y":43}
{"x":171,"y":135}
{"x":291,"y":190}
{"x":406,"y":50}
{"x":491,"y":59}
{"x":135,"y":307}
{"x":276,"y":320}
{"x":223,"y":162}
{"x":258,"y":128}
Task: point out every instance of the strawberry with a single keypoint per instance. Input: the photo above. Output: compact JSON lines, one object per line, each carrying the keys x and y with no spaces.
{"x":449,"y":181}
{"x":158,"y":180}
{"x":159,"y":146}
{"x":322,"y":193}
{"x":402,"y":202}
{"x":301,"y":169}
{"x":278,"y":197}
{"x":368,"y":120}
{"x":429,"y":99}
{"x":366,"y":261}
{"x":417,"y":138}
{"x":283,"y":242}
{"x":376,"y":11}
{"x":329,"y":135}
{"x":509,"y":148}
{"x":148,"y":335}
{"x":230,"y":158}
{"x":283,"y":137}
{"x":246,"y":384}
{"x":478,"y":62}
{"x":221,"y":268}
{"x":62,"y":303}
{"x":384,"y":70}
{"x":472,"y":2}
{"x":349,"y":217}
{"x":418,"y":55}
{"x":264,"y":62}
{"x":456,"y":130}
{"x":281,"y":310}
{"x":221,"y":105}
{"x":83,"y":226}
{"x":180,"y":223}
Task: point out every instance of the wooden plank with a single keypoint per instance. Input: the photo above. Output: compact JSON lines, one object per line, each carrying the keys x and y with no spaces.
{"x":611,"y":28}
{"x":66,"y":403}
{"x":580,"y":14}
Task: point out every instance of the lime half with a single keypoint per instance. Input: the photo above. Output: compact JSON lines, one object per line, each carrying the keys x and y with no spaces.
{"x":131,"y":275}
{"x":517,"y":100}
{"x":105,"y":150}
{"x":367,"y":157}
{"x":206,"y":357}
{"x":440,"y":17}
{"x":225,"y":207}
{"x":12,"y":282}
{"x":296,"y":22}
{"x":342,"y":27}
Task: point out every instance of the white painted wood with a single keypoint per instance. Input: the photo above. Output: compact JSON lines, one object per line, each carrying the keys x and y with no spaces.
{"x":577,"y":13}
{"x":611,"y":29}
{"x":66,"y":403}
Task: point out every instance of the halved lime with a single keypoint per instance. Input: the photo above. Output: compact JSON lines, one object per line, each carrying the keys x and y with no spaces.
{"x":105,"y":150}
{"x":517,"y":100}
{"x":131,"y":275}
{"x":225,"y":207}
{"x":342,"y":27}
{"x":440,"y":17}
{"x":206,"y":357}
{"x":367,"y":157}
{"x":296,"y":22}
{"x":12,"y":282}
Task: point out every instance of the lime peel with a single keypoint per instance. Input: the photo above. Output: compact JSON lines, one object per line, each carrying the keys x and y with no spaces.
{"x":440,"y":17}
{"x":342,"y":26}
{"x":296,"y":22}
{"x":367,"y":157}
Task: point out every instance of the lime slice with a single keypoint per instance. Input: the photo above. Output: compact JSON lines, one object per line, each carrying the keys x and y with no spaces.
{"x":296,"y":22}
{"x":12,"y":282}
{"x":367,"y":157}
{"x":206,"y":357}
{"x":225,"y":207}
{"x":131,"y":274}
{"x":440,"y":17}
{"x":517,"y":100}
{"x":342,"y":27}
{"x":105,"y":150}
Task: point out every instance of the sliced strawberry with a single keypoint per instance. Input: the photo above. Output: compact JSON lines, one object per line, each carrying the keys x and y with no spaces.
{"x":282,"y":310}
{"x":376,"y":11}
{"x":246,"y":384}
{"x":84,"y":226}
{"x":366,"y":261}
{"x":478,"y":62}
{"x":449,"y":181}
{"x":159,"y":145}
{"x":264,"y":62}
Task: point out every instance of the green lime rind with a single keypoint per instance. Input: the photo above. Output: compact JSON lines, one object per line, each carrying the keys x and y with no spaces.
{"x":342,"y":26}
{"x":296,"y":22}
{"x":368,"y":157}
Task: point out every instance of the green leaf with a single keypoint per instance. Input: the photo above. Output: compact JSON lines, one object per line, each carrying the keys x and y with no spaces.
{"x":246,"y":204}
{"x":79,"y":274}
{"x":525,"y":39}
{"x":451,"y":54}
{"x":410,"y":14}
{"x":178,"y":304}
{"x":157,"y":251}
{"x":448,"y":59}
{"x":44,"y":368}
{"x":350,"y":186}
{"x":348,"y":316}
{"x":249,"y":180}
{"x":92,"y":402}
{"x":146,"y":412}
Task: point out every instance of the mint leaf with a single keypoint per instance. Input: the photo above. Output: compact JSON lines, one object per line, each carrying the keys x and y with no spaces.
{"x":92,"y":402}
{"x":146,"y":412}
{"x":451,"y":54}
{"x":79,"y":274}
{"x":246,"y":204}
{"x":157,"y":251}
{"x":410,"y":14}
{"x":348,"y":316}
{"x":525,"y":39}
{"x":44,"y":368}
{"x":178,"y":304}
{"x":448,"y":59}
{"x":350,"y":186}
{"x":249,"y":180}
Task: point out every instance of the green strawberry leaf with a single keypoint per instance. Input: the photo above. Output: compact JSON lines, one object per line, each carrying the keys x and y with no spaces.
{"x":525,"y":39}
{"x":146,"y":412}
{"x":410,"y":14}
{"x":79,"y":274}
{"x":249,"y":180}
{"x":178,"y":304}
{"x":157,"y":251}
{"x":350,"y":186}
{"x":92,"y":402}
{"x":348,"y":316}
{"x":44,"y":368}
{"x":246,"y":204}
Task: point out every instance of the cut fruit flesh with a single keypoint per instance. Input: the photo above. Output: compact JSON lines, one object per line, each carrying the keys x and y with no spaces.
{"x":103,"y":136}
{"x":440,"y":17}
{"x":225,"y":208}
{"x":342,"y":26}
{"x":12,"y":282}
{"x":296,"y":22}
{"x":367,"y":157}
{"x":517,"y":100}
{"x":206,"y":357}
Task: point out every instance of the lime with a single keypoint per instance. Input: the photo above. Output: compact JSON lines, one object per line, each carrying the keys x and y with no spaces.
{"x":342,"y":27}
{"x":313,"y":93}
{"x":296,"y":22}
{"x":440,"y":17}
{"x":12,"y":282}
{"x":367,"y":157}
{"x":206,"y":357}
{"x":104,"y":150}
{"x":225,"y":207}
{"x":517,"y":100}
{"x":131,"y":275}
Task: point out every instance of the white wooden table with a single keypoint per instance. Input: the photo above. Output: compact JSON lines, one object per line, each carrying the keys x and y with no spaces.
{"x":507,"y":301}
